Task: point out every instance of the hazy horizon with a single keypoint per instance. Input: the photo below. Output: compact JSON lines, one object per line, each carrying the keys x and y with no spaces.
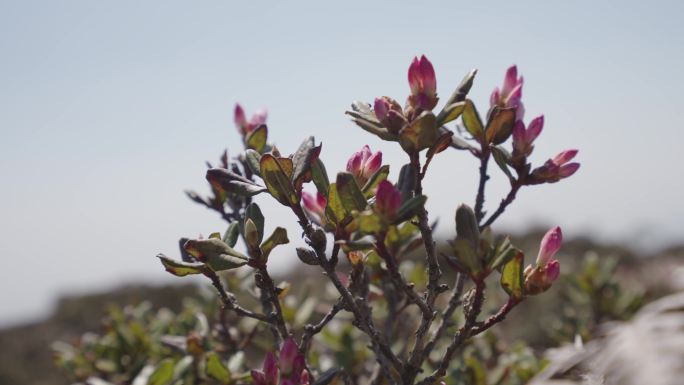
{"x":109,"y":110}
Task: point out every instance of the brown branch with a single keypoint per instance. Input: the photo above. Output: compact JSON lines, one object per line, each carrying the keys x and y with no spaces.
{"x":311,"y":330}
{"x":479,"y":200}
{"x":360,"y":309}
{"x":229,"y":302}
{"x":462,"y":335}
{"x":504,"y":203}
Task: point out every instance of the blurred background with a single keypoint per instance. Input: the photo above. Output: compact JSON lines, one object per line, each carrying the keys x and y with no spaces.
{"x":108,"y":111}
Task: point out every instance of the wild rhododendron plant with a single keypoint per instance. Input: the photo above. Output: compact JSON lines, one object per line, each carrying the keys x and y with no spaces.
{"x":365,"y":227}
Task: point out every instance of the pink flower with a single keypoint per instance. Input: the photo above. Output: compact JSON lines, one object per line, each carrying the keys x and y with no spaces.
{"x":550,"y":244}
{"x":523,"y":138}
{"x":291,"y":362}
{"x":421,"y":77}
{"x":363,"y":164}
{"x":387,"y":199}
{"x":269,"y":375}
{"x":245,"y":126}
{"x":389,"y":113}
{"x":555,"y":169}
{"x":539,"y":277}
{"x":315,"y":207}
{"x":510,"y":94}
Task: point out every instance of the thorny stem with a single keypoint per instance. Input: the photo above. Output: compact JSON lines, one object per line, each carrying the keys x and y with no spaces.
{"x":479,"y":200}
{"x":361,"y":310}
{"x":515,"y":186}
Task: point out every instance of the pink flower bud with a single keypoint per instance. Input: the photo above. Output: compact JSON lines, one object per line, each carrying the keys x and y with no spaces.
{"x":389,"y":113}
{"x":421,"y":77}
{"x":550,"y":244}
{"x":288,"y":356}
{"x":315,"y":207}
{"x":523,"y":138}
{"x":245,"y":127}
{"x":555,"y":169}
{"x":363,"y":164}
{"x":552,"y":270}
{"x":387,"y":199}
{"x":564,"y":157}
{"x":269,"y":375}
{"x":510,"y":94}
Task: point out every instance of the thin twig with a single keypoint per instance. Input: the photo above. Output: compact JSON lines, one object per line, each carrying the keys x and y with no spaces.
{"x":504,"y":203}
{"x":311,"y":330}
{"x":229,"y":301}
{"x":479,"y":200}
{"x":463,"y":334}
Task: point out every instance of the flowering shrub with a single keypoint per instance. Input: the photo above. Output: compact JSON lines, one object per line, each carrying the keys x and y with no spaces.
{"x":374,"y":224}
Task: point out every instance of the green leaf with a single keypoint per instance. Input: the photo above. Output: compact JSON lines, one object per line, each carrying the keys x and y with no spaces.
{"x":500,"y":125}
{"x":163,"y":374}
{"x":231,"y":235}
{"x":216,"y":254}
{"x":407,"y":181}
{"x":502,"y":158}
{"x":302,"y":161}
{"x":355,"y":245}
{"x":410,"y":208}
{"x":320,"y":177}
{"x":350,"y":195}
{"x":420,"y":134}
{"x":466,"y":225}
{"x":307,"y":256}
{"x":216,"y":370}
{"x":277,"y":181}
{"x":450,"y":113}
{"x":374,"y":129}
{"x":253,"y":213}
{"x":512,"y":276}
{"x":279,"y":237}
{"x":503,"y":254}
{"x":467,"y":256}
{"x":441,"y":144}
{"x":374,"y":181}
{"x":215,"y":235}
{"x":463,"y":88}
{"x":369,"y":223}
{"x":252,"y":159}
{"x":472,"y":121}
{"x":334,"y":210}
{"x":232,"y":183}
{"x":180,"y":269}
{"x":257,"y":138}
{"x":460,"y":144}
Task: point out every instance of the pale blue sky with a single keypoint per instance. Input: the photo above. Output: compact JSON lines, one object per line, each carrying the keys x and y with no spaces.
{"x":109,"y":109}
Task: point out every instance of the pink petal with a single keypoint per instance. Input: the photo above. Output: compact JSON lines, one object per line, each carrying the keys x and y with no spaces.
{"x":288,"y":353}
{"x":428,"y":79}
{"x":259,"y":117}
{"x":373,"y":164}
{"x":381,"y":108}
{"x":568,"y":169}
{"x":549,"y":246}
{"x":552,"y":270}
{"x":495,"y":97}
{"x":564,"y":157}
{"x":365,"y":154}
{"x":519,"y":133}
{"x":413,"y":76}
{"x":271,"y":368}
{"x":321,"y":201}
{"x":534,"y":129}
{"x":354,"y":163}
{"x":259,"y":377}
{"x":510,"y":80}
{"x":239,"y":116}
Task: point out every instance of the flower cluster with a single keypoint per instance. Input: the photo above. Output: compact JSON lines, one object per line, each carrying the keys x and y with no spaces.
{"x":377,"y":219}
